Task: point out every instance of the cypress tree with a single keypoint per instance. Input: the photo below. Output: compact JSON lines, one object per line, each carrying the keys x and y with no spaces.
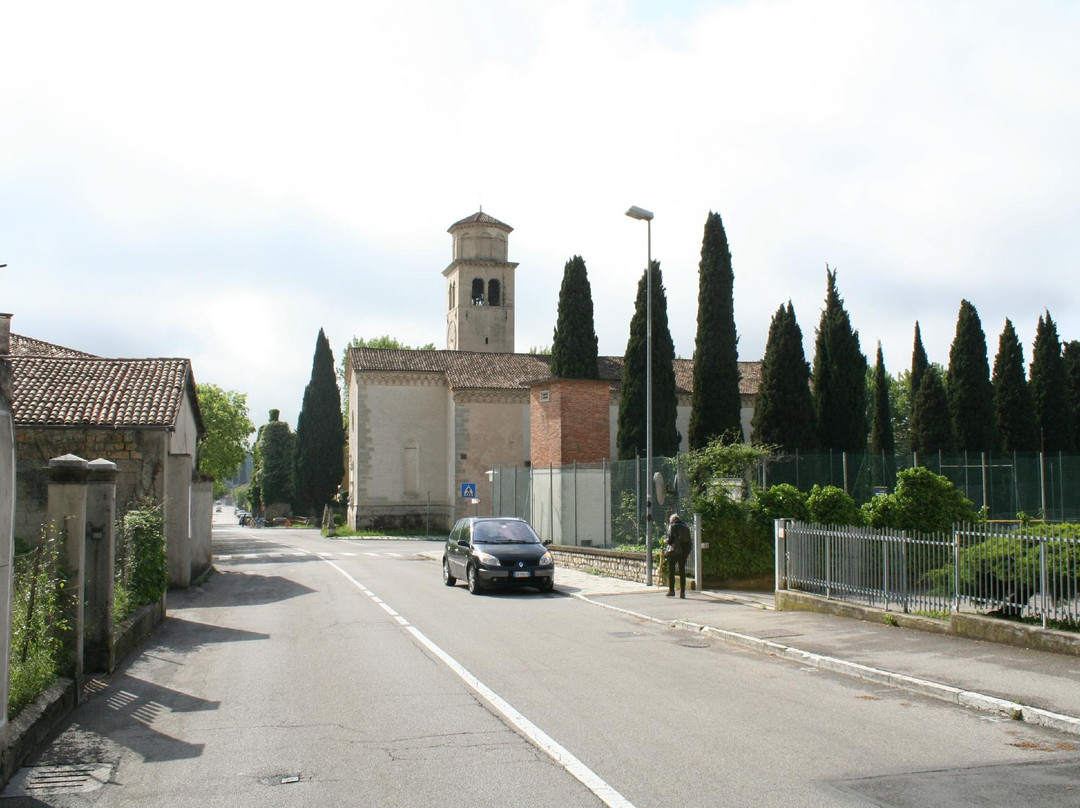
{"x":1014,"y":413}
{"x":320,"y":434}
{"x":573,"y":348}
{"x":716,"y":406}
{"x":784,"y":409}
{"x":881,"y":427}
{"x":1071,"y":354}
{"x":1049,"y":390}
{"x":630,"y":441}
{"x":839,"y":377}
{"x":919,"y":363}
{"x":275,"y":449}
{"x":971,"y":395}
{"x":933,"y":431}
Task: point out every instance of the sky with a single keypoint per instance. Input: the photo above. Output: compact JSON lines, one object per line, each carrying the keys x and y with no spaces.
{"x":219,"y":180}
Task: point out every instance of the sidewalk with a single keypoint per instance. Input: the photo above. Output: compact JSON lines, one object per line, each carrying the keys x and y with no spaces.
{"x":1034,"y":686}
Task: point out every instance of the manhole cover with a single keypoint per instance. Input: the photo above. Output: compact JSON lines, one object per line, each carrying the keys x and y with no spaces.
{"x":37,"y":781}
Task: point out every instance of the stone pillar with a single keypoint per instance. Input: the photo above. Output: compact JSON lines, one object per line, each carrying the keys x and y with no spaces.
{"x":177,"y":513}
{"x":66,"y":520}
{"x":100,"y":565}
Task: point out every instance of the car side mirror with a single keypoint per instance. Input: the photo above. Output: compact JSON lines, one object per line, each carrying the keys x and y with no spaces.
{"x":547,"y":542}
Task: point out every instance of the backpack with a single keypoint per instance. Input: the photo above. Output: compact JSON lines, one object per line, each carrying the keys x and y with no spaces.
{"x":679,"y":540}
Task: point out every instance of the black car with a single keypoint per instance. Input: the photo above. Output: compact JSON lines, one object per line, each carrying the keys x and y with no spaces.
{"x":487,"y":551}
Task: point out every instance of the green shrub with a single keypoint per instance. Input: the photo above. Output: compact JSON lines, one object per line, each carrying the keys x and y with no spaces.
{"x":783,"y":501}
{"x":923,"y":501}
{"x":37,"y":623}
{"x":833,"y":506}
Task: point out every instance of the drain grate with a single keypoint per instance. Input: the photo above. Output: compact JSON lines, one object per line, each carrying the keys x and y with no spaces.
{"x":78,"y":778}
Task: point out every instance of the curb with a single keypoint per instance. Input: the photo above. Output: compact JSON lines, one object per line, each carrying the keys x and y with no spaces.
{"x":923,"y":687}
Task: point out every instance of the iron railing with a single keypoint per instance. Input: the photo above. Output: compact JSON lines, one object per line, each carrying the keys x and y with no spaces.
{"x":1028,"y":572}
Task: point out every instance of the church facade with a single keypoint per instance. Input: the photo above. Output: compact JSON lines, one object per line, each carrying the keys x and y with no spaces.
{"x":426,"y":427}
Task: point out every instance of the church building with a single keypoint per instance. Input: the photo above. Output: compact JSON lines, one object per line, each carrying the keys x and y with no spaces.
{"x":427,"y":427}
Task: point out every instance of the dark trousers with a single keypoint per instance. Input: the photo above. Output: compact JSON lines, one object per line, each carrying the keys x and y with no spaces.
{"x":671,"y":562}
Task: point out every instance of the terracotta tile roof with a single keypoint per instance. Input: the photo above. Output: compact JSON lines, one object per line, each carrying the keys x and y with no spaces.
{"x":499,"y":371}
{"x":28,"y":346}
{"x":481,"y":218}
{"x":93,"y":392}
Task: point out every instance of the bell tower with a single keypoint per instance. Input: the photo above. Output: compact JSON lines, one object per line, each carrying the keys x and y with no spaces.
{"x":480,"y":287}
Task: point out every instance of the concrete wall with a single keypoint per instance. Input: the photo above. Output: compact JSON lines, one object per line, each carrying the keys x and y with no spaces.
{"x":571,"y":506}
{"x":202,"y":515}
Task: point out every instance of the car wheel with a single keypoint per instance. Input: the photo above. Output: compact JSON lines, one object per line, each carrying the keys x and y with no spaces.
{"x":474,"y":580}
{"x":547,"y":586}
{"x":447,"y":578}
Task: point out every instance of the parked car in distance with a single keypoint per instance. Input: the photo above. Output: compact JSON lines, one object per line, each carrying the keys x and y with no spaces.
{"x":495,"y":550}
{"x":243,"y":517}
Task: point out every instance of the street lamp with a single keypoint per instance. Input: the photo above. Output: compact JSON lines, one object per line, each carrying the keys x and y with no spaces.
{"x":646,"y":215}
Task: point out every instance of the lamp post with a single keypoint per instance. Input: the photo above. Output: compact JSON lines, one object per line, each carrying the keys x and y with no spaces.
{"x":646,"y":215}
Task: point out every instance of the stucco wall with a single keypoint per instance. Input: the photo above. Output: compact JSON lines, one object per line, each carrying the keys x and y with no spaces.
{"x":398,"y":449}
{"x":7,"y":521}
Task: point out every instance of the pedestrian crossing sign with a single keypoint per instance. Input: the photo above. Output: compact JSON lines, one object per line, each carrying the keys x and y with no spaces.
{"x":468,"y":490}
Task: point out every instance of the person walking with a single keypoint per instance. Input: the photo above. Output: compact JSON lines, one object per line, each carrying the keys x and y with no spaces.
{"x":676,"y":551}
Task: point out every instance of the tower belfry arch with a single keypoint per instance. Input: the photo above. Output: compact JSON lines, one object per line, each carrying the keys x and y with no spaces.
{"x":480,"y":286}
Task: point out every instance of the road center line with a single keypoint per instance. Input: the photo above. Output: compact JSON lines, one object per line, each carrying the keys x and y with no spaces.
{"x":586,"y":776}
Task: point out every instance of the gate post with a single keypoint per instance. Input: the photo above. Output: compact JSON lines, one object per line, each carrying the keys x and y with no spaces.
{"x":66,"y":519}
{"x":780,"y":532}
{"x":100,"y":565}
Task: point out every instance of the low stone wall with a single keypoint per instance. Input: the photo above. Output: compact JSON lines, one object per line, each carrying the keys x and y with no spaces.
{"x":612,"y":563}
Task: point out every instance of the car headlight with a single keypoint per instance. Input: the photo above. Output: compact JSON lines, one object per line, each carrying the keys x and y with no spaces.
{"x":546,"y":560}
{"x":487,"y":560}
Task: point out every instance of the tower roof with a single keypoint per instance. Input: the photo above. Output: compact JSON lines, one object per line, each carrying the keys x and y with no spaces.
{"x":481,"y":218}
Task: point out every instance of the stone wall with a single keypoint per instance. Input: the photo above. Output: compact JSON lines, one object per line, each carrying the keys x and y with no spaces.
{"x":611,"y":563}
{"x":139,"y":455}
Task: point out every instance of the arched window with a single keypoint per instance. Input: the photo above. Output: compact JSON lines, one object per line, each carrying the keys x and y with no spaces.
{"x":478,"y":292}
{"x":493,"y":293}
{"x":450,"y":301}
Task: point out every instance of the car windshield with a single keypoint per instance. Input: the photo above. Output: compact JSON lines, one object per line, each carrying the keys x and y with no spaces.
{"x":504,"y":533}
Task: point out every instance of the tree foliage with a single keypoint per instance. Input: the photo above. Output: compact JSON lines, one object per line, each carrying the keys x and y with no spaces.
{"x":971,"y":395}
{"x":716,"y":406}
{"x":228,"y":427}
{"x":829,"y":505}
{"x":273,"y":472}
{"x":1014,"y":414}
{"x":1071,"y":355}
{"x":881,"y":425}
{"x":574,"y":344}
{"x":919,"y":364}
{"x":631,"y":438}
{"x":932,"y":430}
{"x":1049,"y":389}
{"x":319,"y":459}
{"x":784,"y":408}
{"x":839,"y":377}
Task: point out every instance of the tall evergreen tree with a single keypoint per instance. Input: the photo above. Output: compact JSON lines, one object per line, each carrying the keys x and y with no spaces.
{"x":933,"y":430}
{"x":881,"y":425}
{"x":320,"y":434}
{"x":1071,"y":354}
{"x":784,"y":408}
{"x":839,"y":377}
{"x":919,"y":363}
{"x":715,"y":407}
{"x":630,"y":442}
{"x":573,"y":348}
{"x":1050,"y":390}
{"x":971,"y":395}
{"x":274,"y":451}
{"x":1014,"y":413}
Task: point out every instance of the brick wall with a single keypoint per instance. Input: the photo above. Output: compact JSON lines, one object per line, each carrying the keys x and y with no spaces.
{"x":572,"y":425}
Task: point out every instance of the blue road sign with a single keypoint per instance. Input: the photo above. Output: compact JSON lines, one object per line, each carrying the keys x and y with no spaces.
{"x":468,"y":490}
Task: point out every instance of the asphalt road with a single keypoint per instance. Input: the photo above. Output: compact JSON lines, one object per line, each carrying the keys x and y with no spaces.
{"x":310,"y":671}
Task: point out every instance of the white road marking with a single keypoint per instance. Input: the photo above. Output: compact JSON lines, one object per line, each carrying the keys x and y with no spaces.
{"x":586,"y":776}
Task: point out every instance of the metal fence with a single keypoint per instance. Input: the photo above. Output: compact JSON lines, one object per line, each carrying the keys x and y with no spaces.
{"x":1031,"y":572}
{"x":1045,"y":485}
